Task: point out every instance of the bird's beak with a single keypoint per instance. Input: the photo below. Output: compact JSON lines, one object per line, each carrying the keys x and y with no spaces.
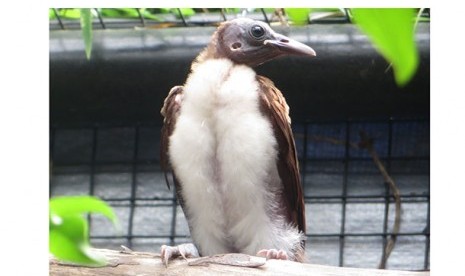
{"x":289,"y":46}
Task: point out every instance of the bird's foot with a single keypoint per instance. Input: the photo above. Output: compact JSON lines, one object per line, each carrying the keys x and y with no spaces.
{"x":273,"y":254}
{"x":185,"y":250}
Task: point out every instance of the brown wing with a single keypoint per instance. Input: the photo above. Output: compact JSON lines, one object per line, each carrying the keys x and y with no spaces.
{"x":276,"y":109}
{"x":170,"y":112}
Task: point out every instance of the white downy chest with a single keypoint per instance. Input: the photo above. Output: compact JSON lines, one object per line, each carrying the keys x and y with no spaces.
{"x":223,"y":152}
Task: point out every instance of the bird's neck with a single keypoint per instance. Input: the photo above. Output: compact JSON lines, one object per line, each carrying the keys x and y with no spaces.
{"x":214,"y":50}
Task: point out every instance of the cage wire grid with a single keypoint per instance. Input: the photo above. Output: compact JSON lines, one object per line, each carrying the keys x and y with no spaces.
{"x":278,"y":16}
{"x":349,"y":207}
{"x":200,"y":19}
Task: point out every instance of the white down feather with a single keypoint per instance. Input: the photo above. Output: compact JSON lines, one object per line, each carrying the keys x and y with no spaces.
{"x":223,"y":152}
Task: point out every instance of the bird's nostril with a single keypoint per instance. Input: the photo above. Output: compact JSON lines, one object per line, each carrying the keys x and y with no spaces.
{"x":284,"y":40}
{"x":236,"y":45}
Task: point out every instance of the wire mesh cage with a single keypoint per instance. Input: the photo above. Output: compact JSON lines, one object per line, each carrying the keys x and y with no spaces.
{"x":178,"y":18}
{"x":350,"y":208}
{"x":350,"y":205}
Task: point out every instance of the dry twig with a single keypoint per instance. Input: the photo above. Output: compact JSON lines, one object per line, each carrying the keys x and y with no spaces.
{"x":367,"y":143}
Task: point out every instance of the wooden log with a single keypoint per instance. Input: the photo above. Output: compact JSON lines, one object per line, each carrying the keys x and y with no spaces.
{"x":143,"y":263}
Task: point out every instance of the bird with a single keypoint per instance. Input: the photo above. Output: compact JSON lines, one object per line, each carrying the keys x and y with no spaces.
{"x":227,"y":143}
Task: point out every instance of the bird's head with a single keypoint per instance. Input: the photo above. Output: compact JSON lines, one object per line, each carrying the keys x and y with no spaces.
{"x":251,"y":42}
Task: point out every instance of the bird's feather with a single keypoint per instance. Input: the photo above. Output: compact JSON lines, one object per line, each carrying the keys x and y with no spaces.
{"x":170,"y":113}
{"x":227,"y":142}
{"x":274,"y":106}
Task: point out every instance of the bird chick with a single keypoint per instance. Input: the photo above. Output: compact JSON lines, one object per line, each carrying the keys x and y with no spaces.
{"x":227,"y":140}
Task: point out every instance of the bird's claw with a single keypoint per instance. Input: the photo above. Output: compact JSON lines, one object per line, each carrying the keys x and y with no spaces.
{"x":166,"y":252}
{"x":273,"y":254}
{"x":184,"y":250}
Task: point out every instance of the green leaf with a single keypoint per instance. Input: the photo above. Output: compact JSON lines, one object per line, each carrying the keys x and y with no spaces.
{"x":51,"y":14}
{"x":165,"y":10}
{"x":70,"y":13}
{"x":120,"y":13}
{"x":86,"y":26}
{"x":186,"y":12}
{"x":69,"y":229}
{"x":392,"y":33}
{"x":68,"y":241}
{"x":147,"y":14}
{"x":298,"y":16}
{"x":110,"y":12}
{"x":234,"y":10}
{"x":128,"y":13}
{"x":78,"y":205}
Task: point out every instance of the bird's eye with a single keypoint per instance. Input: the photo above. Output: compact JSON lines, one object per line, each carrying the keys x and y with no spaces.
{"x":257,"y":31}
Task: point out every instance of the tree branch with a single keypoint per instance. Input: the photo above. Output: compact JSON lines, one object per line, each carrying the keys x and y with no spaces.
{"x":142,"y":263}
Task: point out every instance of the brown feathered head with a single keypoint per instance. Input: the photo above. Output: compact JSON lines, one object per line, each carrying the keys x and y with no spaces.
{"x":251,"y":42}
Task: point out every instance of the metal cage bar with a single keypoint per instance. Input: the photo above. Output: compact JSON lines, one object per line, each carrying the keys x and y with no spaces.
{"x":204,"y":19}
{"x":64,"y":165}
{"x":342,"y":233}
{"x":133,"y":186}
{"x":92,"y":168}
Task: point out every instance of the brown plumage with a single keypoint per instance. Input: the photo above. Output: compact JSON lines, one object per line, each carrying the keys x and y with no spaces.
{"x":274,"y":106}
{"x":243,"y":42}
